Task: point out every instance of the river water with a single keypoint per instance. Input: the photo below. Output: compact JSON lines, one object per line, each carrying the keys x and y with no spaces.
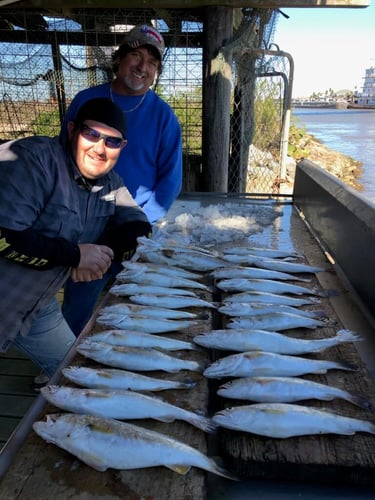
{"x":348,"y":131}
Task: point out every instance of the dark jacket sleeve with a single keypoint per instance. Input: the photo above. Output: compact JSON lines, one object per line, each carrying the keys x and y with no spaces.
{"x":30,"y":248}
{"x":123,"y":238}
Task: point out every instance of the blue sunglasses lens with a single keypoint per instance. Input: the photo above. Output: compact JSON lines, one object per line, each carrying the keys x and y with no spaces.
{"x":93,"y":135}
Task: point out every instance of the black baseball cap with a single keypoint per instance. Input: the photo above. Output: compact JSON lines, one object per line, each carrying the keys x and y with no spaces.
{"x":103,"y":110}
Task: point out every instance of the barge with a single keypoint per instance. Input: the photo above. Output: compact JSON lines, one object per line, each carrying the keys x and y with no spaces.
{"x":332,"y":227}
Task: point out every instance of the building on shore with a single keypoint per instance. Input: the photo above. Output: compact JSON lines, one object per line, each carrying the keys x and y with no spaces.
{"x":367,"y":96}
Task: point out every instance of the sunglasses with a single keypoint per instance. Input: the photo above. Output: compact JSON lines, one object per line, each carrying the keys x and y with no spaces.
{"x":93,"y":135}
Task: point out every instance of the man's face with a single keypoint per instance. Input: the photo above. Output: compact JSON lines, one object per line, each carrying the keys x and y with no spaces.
{"x":95,"y":156}
{"x":137,"y":70}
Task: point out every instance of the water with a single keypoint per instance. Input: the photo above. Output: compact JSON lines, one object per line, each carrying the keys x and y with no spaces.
{"x":348,"y":131}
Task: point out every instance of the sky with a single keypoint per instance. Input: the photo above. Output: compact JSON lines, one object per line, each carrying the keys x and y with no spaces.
{"x":331,"y":46}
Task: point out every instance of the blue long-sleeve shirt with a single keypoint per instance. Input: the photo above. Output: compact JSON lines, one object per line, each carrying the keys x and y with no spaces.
{"x":151,"y":162}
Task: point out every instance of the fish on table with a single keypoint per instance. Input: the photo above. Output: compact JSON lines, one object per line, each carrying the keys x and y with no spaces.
{"x":248,"y":309}
{"x":255,"y":273}
{"x":265,"y":285}
{"x":269,"y":341}
{"x":171,"y":302}
{"x":277,"y":321}
{"x":270,"y":364}
{"x":286,"y":390}
{"x":135,"y":358}
{"x":284,"y":420}
{"x":158,"y":312}
{"x":159,"y":279}
{"x":270,"y":298}
{"x":106,"y":443}
{"x":273,"y":264}
{"x":144,"y":324}
{"x":161,"y":269}
{"x":121,"y":405}
{"x":271,"y":253}
{"x":134,"y":338}
{"x":114,"y":378}
{"x":125,"y":289}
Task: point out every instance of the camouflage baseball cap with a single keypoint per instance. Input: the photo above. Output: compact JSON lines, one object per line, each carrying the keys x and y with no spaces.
{"x":144,"y":34}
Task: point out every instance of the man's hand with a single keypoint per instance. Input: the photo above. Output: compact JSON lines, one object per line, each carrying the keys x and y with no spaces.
{"x":95,"y":261}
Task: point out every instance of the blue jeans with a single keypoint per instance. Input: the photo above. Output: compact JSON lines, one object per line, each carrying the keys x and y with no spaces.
{"x":80,"y":299}
{"x":49,"y":338}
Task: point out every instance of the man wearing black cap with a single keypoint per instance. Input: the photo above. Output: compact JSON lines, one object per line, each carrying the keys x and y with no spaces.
{"x":64,"y":211}
{"x":151,"y":163}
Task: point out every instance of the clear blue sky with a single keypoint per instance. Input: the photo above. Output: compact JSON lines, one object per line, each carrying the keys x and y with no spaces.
{"x":331,"y":46}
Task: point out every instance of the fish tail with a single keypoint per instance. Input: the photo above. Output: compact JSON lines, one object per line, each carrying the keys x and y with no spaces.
{"x":347,"y":366}
{"x":359,"y":400}
{"x":217,"y":467}
{"x":348,"y":336}
{"x":187,"y":384}
{"x":204,"y":423}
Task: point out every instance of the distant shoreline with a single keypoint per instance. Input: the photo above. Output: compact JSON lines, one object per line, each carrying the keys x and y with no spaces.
{"x":332,"y":105}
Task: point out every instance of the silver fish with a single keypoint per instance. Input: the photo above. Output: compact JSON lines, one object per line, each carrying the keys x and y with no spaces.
{"x":261,"y":251}
{"x":172,"y":302}
{"x":275,"y":321}
{"x":112,"y":378}
{"x":194,"y":261}
{"x":107,"y":443}
{"x":253,"y":272}
{"x":158,"y":312}
{"x":144,"y":324}
{"x":162,"y":269}
{"x":270,"y":298}
{"x":121,"y":405}
{"x":286,"y":390}
{"x":283,"y":420}
{"x":248,"y":309}
{"x":264,"y":285}
{"x":273,"y":264}
{"x":159,"y":279}
{"x":134,"y":338}
{"x":269,"y":364}
{"x":135,"y":358}
{"x":125,"y":289}
{"x":268,"y":341}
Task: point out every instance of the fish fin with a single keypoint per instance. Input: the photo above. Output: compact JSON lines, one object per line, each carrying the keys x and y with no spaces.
{"x":180,"y":469}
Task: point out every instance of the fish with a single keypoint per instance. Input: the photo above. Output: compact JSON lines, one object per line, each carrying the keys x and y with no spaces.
{"x":253,"y":272}
{"x":270,"y":298}
{"x":286,"y":390}
{"x":269,"y":341}
{"x":113,"y":378}
{"x":172,"y":302}
{"x":261,"y":251}
{"x":159,"y":279}
{"x":140,"y":339}
{"x":144,"y":324}
{"x":247,"y":309}
{"x":275,"y":321}
{"x":135,"y":358}
{"x":264,"y":285}
{"x":270,"y":364}
{"x":167,"y":270}
{"x":273,"y":264}
{"x":283,"y":420}
{"x":155,"y":312}
{"x":194,"y":261}
{"x":125,"y":289}
{"x":105,"y":444}
{"x":121,"y":405}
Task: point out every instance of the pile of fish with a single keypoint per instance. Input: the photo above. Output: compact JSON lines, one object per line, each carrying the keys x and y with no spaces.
{"x":156,"y":292}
